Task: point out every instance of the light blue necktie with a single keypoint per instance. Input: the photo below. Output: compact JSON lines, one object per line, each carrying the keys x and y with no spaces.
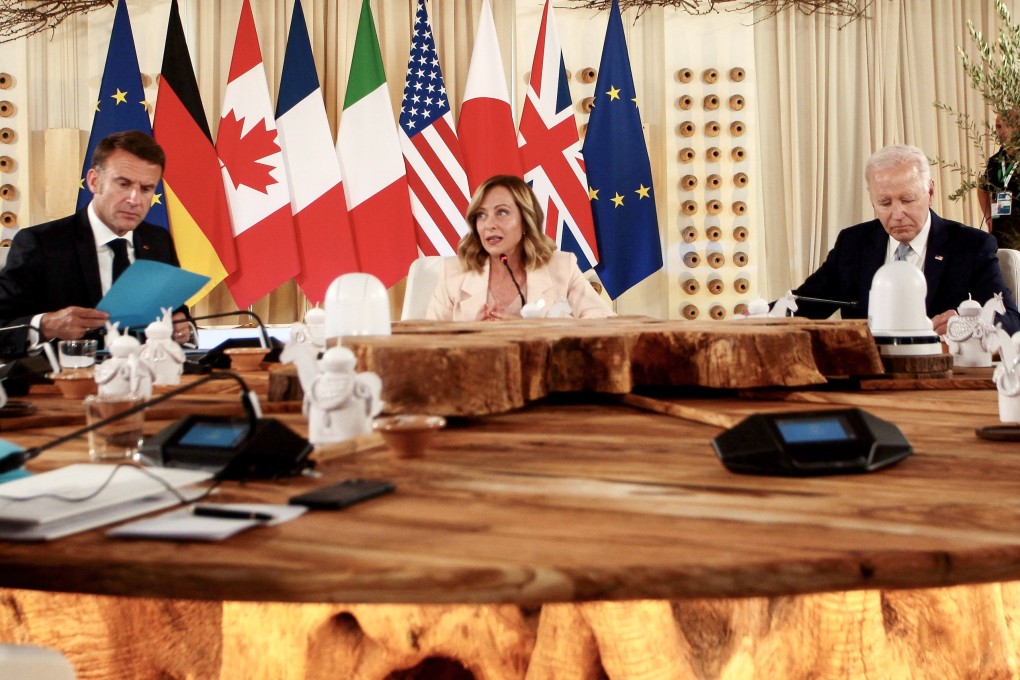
{"x":902,"y":250}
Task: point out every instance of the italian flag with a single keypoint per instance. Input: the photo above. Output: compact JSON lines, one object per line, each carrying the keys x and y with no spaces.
{"x":372,"y":164}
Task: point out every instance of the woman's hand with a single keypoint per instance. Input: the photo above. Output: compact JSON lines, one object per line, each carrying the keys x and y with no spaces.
{"x":491,"y":314}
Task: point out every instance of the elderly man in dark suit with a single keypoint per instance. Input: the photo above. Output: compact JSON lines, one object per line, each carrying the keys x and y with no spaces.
{"x":57,"y":272}
{"x":957,"y":260}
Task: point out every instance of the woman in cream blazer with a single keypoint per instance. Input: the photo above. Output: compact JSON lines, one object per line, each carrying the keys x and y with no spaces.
{"x":505,"y":264}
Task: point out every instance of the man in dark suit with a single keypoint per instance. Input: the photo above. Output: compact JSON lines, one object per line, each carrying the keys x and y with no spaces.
{"x":57,"y":272}
{"x":957,"y":260}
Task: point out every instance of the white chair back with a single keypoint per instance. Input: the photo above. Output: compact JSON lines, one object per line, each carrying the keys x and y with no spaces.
{"x":422,"y":279}
{"x":1009,"y":263}
{"x":37,"y":663}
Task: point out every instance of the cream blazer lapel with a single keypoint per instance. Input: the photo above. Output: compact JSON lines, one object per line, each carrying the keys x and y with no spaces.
{"x":474,"y":291}
{"x":541,"y":286}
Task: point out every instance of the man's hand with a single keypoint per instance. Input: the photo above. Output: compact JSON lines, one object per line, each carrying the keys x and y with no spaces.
{"x":941,"y":321}
{"x":182,"y":329}
{"x":71,"y":323}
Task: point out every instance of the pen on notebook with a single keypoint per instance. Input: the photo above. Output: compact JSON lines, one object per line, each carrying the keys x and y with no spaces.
{"x":225,"y":513}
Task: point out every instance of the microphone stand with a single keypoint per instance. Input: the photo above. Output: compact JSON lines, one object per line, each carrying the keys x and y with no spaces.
{"x":503,"y":258}
{"x":263,"y":333}
{"x":249,"y":400}
{"x":841,"y":303}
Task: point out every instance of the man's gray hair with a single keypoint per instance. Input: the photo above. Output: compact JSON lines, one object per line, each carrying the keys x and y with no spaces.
{"x":898,"y":154}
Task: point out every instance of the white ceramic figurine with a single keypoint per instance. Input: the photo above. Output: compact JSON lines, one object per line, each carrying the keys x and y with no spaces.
{"x":164,"y":356}
{"x":340,"y":403}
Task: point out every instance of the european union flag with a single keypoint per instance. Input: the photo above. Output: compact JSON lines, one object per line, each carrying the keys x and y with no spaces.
{"x":619,"y":174}
{"x":121,"y":106}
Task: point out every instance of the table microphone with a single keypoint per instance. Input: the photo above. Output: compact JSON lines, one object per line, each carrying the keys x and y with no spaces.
{"x":47,"y":349}
{"x":503,"y":259}
{"x":215,"y":357}
{"x":268,"y":448}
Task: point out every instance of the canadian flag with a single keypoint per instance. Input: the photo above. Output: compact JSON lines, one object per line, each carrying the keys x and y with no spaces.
{"x":254,"y":175}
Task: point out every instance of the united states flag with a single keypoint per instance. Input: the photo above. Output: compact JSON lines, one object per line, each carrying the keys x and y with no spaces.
{"x":551,"y":150}
{"x":435,"y":170}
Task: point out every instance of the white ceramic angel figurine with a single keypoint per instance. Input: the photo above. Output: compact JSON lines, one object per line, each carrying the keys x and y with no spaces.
{"x":538,"y":310}
{"x":164,"y":356}
{"x":560,"y":310}
{"x":533,"y":310}
{"x":312,"y":331}
{"x":123,"y":373}
{"x":785,"y":306}
{"x":757,"y":308}
{"x":341,"y":403}
{"x":1007,"y":374}
{"x":969,"y":335}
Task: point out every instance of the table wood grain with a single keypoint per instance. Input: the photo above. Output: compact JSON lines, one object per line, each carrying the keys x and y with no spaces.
{"x":572,"y":501}
{"x":577,"y":537}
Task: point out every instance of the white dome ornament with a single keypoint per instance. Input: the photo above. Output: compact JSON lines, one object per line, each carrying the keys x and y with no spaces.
{"x":123,"y":373}
{"x":341,"y":403}
{"x":161,"y":353}
{"x":896,"y":312}
{"x":970,"y":336}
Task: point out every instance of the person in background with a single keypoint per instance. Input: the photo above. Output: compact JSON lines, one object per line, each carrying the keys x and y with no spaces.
{"x":57,"y":272}
{"x":999,"y":193}
{"x":505,"y":262}
{"x":957,"y":261}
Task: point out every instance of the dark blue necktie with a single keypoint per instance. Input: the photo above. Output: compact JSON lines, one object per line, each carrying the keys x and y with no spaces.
{"x":120,"y":256}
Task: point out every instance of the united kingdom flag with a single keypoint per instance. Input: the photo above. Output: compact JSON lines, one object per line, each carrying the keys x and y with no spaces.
{"x":551,"y":150}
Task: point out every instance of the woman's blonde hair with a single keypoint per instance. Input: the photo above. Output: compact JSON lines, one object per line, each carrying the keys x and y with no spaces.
{"x":537,"y":248}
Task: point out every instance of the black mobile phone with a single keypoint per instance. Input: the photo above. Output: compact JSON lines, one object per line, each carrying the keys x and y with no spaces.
{"x":343,"y":494}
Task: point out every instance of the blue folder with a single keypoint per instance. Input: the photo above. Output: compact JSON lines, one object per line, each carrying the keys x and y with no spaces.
{"x":139,"y":295}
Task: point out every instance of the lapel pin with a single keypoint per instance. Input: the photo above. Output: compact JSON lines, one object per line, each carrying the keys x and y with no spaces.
{"x":938,"y":257}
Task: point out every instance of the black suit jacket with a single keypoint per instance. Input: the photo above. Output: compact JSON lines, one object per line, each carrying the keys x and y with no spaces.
{"x":959,"y":260}
{"x":54,"y":265}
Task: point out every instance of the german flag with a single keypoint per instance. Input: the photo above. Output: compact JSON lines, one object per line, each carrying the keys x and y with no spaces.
{"x":196,"y":203}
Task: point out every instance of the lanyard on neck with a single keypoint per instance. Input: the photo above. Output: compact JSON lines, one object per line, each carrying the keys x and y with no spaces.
{"x":1006,"y":178}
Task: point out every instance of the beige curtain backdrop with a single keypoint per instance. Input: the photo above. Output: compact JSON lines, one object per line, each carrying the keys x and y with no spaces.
{"x":830,"y":96}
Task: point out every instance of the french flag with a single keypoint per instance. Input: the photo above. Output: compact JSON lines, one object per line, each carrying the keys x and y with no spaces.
{"x":324,"y":237}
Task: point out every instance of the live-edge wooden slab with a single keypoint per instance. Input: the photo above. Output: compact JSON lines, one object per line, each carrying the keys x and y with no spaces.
{"x":471,"y":369}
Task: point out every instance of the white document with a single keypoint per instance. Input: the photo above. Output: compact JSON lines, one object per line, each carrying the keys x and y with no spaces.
{"x":184,"y":525}
{"x":65,"y":501}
